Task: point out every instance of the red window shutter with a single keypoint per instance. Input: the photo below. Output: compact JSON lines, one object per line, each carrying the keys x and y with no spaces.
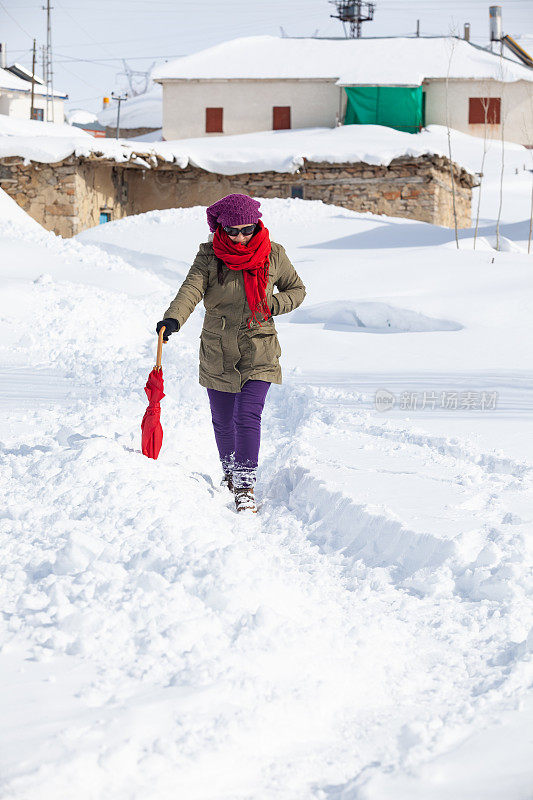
{"x":213,"y":120}
{"x":483,"y":110}
{"x":281,"y":118}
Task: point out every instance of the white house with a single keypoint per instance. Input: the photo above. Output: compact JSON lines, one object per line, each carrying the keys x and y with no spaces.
{"x":265,"y":83}
{"x":15,"y":95}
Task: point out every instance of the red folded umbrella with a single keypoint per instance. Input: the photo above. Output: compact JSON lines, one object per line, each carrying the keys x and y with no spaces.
{"x":152,"y":432}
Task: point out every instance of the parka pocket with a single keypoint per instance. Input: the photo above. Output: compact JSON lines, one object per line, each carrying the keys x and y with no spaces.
{"x":265,"y":349}
{"x":211,"y":355}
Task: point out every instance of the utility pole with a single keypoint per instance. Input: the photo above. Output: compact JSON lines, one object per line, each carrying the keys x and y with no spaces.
{"x":32,"y":110}
{"x":119,"y":98}
{"x":49,"y":70}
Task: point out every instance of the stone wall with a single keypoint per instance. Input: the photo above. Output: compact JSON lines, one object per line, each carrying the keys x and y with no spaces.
{"x":68,"y":197}
{"x":48,"y":192}
{"x":416,"y":188}
{"x":127,"y":133}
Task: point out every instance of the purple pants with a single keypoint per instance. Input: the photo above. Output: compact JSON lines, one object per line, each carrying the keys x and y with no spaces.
{"x":237,"y":424}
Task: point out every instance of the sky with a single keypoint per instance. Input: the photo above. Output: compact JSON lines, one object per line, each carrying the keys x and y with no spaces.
{"x":90,"y":40}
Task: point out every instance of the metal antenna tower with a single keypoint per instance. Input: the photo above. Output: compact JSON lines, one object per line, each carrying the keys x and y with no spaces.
{"x":355,"y":12}
{"x":48,"y":76}
{"x":138,"y":80}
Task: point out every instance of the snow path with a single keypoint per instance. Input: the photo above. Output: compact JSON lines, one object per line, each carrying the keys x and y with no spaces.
{"x":240,"y":633}
{"x":355,"y":628}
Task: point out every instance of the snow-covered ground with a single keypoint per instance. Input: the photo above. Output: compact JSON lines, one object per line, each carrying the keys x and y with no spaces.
{"x":369,"y":635}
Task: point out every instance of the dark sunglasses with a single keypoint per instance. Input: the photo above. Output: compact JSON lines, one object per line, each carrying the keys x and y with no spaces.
{"x":246,"y":231}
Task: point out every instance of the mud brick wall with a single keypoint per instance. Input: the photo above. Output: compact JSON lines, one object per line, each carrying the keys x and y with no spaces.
{"x":68,"y":197}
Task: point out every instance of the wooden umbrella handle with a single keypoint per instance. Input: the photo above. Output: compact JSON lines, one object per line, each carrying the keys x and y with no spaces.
{"x":159,"y":348}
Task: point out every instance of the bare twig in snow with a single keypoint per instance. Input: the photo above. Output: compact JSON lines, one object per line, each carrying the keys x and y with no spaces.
{"x":524,"y":125}
{"x":502,"y":139}
{"x":486,"y":102}
{"x":525,"y":133}
{"x":452,"y":177}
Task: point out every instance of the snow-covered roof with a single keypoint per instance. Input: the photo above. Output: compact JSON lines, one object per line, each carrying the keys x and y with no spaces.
{"x":143,"y":111}
{"x":278,"y":151}
{"x":24,"y":74}
{"x":392,"y":61}
{"x":78,"y":116}
{"x":15,"y":84}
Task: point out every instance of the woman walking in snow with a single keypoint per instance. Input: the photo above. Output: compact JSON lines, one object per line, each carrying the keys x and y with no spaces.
{"x":235,"y":273}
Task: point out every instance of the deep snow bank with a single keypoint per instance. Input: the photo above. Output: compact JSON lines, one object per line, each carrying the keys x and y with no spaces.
{"x":342,"y":315}
{"x":13,"y":216}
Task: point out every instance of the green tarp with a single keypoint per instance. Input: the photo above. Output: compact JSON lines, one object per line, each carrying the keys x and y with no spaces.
{"x":400,"y":108}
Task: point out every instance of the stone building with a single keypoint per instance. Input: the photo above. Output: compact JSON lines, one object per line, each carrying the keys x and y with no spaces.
{"x":262,"y":83}
{"x":80,"y":192}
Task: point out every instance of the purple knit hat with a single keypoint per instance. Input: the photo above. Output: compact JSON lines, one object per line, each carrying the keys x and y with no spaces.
{"x":234,"y":209}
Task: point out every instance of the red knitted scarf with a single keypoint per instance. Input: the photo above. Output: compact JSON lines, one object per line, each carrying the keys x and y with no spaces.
{"x":252,"y":258}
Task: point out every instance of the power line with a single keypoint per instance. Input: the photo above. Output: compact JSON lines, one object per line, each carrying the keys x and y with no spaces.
{"x":16,"y":22}
{"x":102,"y":46}
{"x":101,"y":61}
{"x":78,"y":77}
{"x":86,"y":99}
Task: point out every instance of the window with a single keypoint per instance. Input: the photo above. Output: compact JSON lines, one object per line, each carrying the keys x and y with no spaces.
{"x":281,"y":118}
{"x":37,"y":113}
{"x":213,"y":120}
{"x":105,"y":216}
{"x":483,"y":110}
{"x":297,"y":191}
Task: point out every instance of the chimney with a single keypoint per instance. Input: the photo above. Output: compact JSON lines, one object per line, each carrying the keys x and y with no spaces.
{"x":467,"y":31}
{"x":495,"y":14}
{"x":3,"y":58}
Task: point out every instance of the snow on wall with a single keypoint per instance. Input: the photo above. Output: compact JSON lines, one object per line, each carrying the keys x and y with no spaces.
{"x":279,"y":151}
{"x":393,"y":61}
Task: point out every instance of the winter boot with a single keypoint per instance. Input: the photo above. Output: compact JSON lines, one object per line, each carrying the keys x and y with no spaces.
{"x":227,"y":480}
{"x":244,"y":499}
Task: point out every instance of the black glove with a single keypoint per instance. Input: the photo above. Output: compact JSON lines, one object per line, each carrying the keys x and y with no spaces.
{"x":171,"y":326}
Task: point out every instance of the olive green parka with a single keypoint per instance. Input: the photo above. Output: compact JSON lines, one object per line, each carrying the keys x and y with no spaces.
{"x":230,"y":352}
